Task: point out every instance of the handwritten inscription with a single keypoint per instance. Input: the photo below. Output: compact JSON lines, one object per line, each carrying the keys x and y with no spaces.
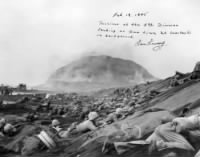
{"x":128,"y":26}
{"x":121,"y":14}
{"x":157,"y":45}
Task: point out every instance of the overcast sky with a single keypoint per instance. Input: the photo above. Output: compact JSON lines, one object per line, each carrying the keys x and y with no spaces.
{"x":39,"y":36}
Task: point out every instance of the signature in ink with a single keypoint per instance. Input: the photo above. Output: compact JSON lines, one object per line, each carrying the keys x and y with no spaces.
{"x":157,"y":45}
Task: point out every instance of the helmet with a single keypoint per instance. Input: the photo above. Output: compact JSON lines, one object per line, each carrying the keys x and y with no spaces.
{"x":93,"y":115}
{"x":47,"y":96}
{"x":8,"y":128}
{"x":55,"y":122}
{"x":118,"y":110}
{"x":2,"y":121}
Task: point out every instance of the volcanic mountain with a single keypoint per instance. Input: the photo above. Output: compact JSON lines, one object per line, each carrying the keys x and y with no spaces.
{"x":97,"y":72}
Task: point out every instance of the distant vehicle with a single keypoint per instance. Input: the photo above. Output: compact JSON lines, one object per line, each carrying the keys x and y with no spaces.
{"x":22,"y":87}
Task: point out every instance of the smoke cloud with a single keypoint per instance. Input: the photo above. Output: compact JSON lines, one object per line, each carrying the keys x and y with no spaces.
{"x":39,"y":36}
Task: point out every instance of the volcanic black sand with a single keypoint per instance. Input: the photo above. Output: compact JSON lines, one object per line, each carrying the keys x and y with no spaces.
{"x":168,"y":99}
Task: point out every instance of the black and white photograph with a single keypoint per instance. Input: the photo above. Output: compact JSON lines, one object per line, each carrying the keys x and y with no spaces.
{"x":99,"y":78}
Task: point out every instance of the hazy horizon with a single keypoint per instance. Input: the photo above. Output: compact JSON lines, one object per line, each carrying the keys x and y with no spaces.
{"x":39,"y":36}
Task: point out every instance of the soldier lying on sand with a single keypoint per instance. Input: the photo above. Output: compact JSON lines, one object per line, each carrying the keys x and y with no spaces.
{"x":165,"y":136}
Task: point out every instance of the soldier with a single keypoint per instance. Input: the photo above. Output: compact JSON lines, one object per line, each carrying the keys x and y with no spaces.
{"x":87,"y":125}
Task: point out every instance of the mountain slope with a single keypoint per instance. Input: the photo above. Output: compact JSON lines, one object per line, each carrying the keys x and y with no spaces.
{"x":98,"y":72}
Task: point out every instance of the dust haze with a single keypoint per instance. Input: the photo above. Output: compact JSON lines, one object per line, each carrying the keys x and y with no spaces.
{"x":39,"y":36}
